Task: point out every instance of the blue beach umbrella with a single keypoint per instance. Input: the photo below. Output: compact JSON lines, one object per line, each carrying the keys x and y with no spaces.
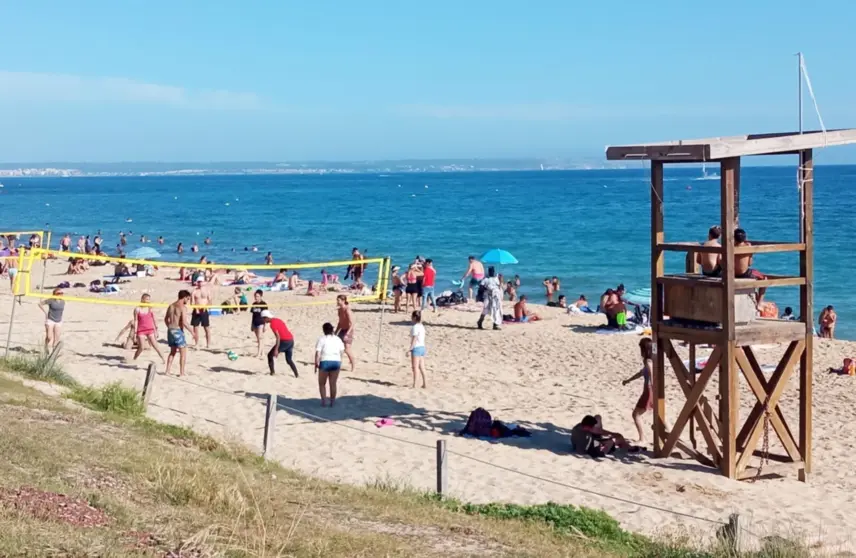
{"x":144,"y":253}
{"x":498,"y":257}
{"x":638,"y":296}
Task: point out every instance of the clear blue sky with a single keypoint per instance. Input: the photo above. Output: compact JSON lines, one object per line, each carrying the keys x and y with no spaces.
{"x":286,"y":80}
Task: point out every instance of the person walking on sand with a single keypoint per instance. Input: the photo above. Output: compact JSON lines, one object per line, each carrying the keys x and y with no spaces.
{"x":345,"y":326}
{"x":328,"y":362}
{"x":176,"y":322}
{"x":146,"y":328}
{"x":284,"y":342}
{"x":200,"y":300}
{"x":646,"y":399}
{"x":53,"y":309}
{"x":257,"y":323}
{"x":417,"y":348}
{"x":492,"y":299}
{"x":475,"y":271}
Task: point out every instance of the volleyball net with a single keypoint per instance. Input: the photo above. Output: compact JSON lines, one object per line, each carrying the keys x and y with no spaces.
{"x":232,"y":280}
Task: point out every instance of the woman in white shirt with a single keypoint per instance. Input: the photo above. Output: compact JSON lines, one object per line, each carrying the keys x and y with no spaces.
{"x":328,"y":362}
{"x":417,"y":347}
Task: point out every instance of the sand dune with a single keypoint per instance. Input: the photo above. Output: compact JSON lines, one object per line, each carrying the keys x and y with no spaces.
{"x":543,"y":376}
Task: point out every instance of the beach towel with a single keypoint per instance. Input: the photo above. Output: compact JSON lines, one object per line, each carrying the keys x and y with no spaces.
{"x":611,"y":331}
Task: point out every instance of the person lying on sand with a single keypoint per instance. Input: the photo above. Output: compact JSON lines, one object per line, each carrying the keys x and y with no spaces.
{"x":522,"y":313}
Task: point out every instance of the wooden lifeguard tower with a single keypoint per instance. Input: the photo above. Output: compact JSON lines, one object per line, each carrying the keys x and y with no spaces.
{"x":704,"y":310}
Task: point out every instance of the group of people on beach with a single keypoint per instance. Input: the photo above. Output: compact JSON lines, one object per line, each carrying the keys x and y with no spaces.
{"x":335,"y":343}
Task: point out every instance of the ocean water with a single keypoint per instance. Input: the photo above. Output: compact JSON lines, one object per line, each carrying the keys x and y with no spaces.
{"x":590,"y":228}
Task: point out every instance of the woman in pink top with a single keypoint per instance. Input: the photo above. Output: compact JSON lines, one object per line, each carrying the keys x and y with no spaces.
{"x":147,"y":330}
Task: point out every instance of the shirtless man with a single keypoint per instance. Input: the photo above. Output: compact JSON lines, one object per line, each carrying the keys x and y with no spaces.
{"x":176,"y":321}
{"x":743,"y":265}
{"x":827,"y":321}
{"x":345,"y":326}
{"x":475,"y":271}
{"x":711,"y":266}
{"x":522,"y":313}
{"x":549,"y":289}
{"x":199,"y":317}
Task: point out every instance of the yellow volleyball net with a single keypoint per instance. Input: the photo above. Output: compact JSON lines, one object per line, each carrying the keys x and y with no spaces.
{"x":238,"y":281}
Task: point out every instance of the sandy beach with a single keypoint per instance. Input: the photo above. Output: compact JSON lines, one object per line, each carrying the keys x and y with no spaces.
{"x":544,"y":376}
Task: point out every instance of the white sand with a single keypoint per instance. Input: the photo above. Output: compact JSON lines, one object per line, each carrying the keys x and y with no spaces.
{"x":544,"y":376}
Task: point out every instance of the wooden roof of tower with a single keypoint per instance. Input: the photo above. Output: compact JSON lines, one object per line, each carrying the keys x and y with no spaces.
{"x":714,"y":149}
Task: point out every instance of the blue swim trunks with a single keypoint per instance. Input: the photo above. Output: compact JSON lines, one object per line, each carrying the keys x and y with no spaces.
{"x":475,"y":282}
{"x":419,"y":351}
{"x":175,"y":338}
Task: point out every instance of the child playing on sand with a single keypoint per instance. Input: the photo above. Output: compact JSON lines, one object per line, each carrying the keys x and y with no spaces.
{"x":417,"y":348}
{"x":646,"y":399}
{"x":257,"y":323}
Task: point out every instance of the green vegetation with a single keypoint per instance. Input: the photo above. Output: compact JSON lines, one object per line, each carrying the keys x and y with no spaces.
{"x":112,"y":398}
{"x":163,"y":490}
{"x":40,"y":366}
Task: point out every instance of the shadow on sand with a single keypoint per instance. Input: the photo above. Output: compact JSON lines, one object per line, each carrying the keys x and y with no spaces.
{"x":369,"y":408}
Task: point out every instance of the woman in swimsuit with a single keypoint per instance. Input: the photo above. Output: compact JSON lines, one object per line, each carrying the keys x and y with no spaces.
{"x":397,"y":289}
{"x":646,"y":399}
{"x":146,"y":327}
{"x":412,"y":289}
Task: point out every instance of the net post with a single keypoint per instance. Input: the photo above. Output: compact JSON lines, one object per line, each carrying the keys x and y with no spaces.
{"x":384,"y":272}
{"x":45,"y":264}
{"x":14,"y":296}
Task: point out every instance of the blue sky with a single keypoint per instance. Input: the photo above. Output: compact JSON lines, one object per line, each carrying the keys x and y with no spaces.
{"x":322,"y":80}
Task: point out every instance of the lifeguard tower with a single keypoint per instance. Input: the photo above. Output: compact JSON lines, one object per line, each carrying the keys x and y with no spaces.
{"x":695,"y":309}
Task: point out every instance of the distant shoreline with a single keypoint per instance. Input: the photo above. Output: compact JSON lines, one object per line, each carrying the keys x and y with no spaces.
{"x":297,"y":170}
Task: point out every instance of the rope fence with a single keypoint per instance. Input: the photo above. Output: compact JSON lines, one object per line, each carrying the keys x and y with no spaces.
{"x":272,"y":404}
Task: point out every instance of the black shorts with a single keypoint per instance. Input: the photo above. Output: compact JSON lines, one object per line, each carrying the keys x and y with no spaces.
{"x":200,"y":318}
{"x":412,"y":288}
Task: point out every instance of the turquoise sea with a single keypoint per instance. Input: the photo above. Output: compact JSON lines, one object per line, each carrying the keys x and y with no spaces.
{"x":590,"y":228}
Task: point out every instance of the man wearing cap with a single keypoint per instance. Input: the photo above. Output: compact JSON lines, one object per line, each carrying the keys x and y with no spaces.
{"x":200,"y":300}
{"x":284,"y":342}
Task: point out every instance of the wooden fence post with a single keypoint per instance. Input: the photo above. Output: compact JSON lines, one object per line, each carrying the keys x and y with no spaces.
{"x":442,"y":468}
{"x":270,"y":424}
{"x":151,"y":372}
{"x":729,"y":534}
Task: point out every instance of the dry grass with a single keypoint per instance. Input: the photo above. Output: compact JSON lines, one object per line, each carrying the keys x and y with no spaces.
{"x":166,"y":489}
{"x":169,"y":492}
